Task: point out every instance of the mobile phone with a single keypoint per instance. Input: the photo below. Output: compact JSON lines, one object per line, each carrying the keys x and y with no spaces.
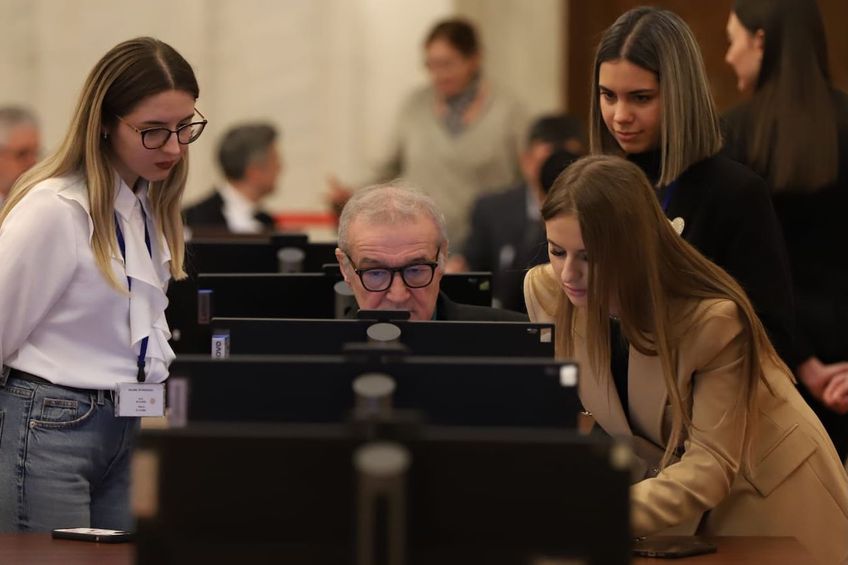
{"x":671,"y":547}
{"x":93,"y":534}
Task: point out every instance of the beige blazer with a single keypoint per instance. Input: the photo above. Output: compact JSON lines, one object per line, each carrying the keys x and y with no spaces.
{"x":796,"y":487}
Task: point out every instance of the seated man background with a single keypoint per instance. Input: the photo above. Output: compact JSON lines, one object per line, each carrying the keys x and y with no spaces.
{"x":19,"y":145}
{"x":251,"y":163}
{"x":392,"y":249}
{"x":507,"y":235}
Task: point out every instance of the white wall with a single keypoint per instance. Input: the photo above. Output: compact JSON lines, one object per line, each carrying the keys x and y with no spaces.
{"x":330,"y":73}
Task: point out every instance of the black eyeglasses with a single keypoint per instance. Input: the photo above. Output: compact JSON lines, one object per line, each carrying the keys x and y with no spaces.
{"x":378,"y":279}
{"x":154,"y":138}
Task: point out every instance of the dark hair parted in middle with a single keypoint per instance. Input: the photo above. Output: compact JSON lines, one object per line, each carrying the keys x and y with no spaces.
{"x":660,"y":42}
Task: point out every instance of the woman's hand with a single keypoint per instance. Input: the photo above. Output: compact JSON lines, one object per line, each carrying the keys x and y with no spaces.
{"x":826,"y":382}
{"x":835,"y":394}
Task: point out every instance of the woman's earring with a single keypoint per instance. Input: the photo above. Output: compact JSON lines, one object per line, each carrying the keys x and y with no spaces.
{"x":105,"y":136}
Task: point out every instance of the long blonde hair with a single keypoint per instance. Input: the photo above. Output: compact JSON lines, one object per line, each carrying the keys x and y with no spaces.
{"x":660,"y":42}
{"x":126,"y":75}
{"x":637,"y":259}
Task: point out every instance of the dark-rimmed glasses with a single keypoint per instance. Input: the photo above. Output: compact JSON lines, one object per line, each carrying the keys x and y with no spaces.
{"x":378,"y":279}
{"x":154,"y":138}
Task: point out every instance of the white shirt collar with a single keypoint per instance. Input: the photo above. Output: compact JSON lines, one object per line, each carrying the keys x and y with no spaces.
{"x":126,"y":200}
{"x":239,"y":211}
{"x":534,"y":212}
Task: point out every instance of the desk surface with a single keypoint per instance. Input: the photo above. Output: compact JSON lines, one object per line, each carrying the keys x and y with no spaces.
{"x":40,"y":549}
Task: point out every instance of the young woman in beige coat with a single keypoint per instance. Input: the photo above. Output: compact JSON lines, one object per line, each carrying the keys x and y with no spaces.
{"x":727,"y":445}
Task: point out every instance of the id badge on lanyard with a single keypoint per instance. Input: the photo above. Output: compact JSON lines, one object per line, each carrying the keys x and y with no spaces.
{"x":139,"y":398}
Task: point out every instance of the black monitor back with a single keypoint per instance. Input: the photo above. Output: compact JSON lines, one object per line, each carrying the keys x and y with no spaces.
{"x":214,"y":255}
{"x":269,"y":336}
{"x":283,"y":494}
{"x":481,"y":391}
{"x":297,"y":295}
{"x":263,"y":295}
{"x":279,"y":295}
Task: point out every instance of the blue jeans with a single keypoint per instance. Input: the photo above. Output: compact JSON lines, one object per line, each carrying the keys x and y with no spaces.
{"x":64,"y":458}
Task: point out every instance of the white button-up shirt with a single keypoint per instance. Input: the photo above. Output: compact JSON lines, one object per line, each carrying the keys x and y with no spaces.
{"x":59,"y":317}
{"x":239,"y":211}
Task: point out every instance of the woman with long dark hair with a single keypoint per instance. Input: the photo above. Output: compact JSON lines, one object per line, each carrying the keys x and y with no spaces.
{"x":794,"y":133}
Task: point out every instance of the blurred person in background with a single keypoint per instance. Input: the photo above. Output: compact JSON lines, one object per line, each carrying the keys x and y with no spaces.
{"x":457,"y":137}
{"x":507,"y":235}
{"x":20,"y":142}
{"x":251,"y":163}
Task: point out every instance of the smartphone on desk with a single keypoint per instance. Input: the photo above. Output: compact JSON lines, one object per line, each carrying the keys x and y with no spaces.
{"x":99,"y":535}
{"x":672,"y":547}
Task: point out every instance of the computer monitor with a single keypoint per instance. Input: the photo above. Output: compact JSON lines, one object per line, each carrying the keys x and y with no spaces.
{"x":279,"y":295}
{"x":290,"y":295}
{"x":469,"y":391}
{"x":254,"y":295}
{"x":235,"y":254}
{"x":215,"y":255}
{"x":280,"y":336}
{"x":323,"y":495}
{"x":304,"y":295}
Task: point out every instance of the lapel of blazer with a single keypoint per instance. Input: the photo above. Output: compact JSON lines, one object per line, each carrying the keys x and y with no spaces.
{"x":597,"y":390}
{"x":646,"y":386}
{"x":648,"y":396}
{"x":216,"y":208}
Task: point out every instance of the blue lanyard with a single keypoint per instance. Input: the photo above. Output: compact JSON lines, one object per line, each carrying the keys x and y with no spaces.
{"x":667,"y":196}
{"x":123,"y":246}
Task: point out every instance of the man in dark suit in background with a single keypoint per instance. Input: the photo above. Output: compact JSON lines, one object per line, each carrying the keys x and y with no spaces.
{"x":507,"y":235}
{"x":250,"y":161}
{"x":392,"y":250}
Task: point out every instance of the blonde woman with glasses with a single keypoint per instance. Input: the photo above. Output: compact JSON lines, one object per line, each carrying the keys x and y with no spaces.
{"x":88,"y":241}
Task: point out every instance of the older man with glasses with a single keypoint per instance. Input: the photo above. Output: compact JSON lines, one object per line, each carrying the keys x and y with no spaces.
{"x":392,"y":250}
{"x":19,"y":145}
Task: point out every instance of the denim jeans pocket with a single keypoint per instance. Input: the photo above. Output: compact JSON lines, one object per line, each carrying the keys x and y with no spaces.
{"x":61,"y":413}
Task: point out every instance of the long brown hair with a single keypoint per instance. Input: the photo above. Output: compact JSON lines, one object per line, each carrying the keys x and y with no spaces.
{"x":126,"y":75}
{"x":793,"y":143}
{"x":660,"y":42}
{"x":639,"y":261}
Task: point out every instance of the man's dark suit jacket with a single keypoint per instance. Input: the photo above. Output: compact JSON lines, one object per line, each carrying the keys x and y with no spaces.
{"x":506,"y":242}
{"x":448,"y":310}
{"x":210,"y":213}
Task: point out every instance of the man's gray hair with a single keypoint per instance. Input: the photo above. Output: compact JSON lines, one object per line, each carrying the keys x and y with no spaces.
{"x":243,"y":145}
{"x":392,"y":203}
{"x":12,"y":117}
